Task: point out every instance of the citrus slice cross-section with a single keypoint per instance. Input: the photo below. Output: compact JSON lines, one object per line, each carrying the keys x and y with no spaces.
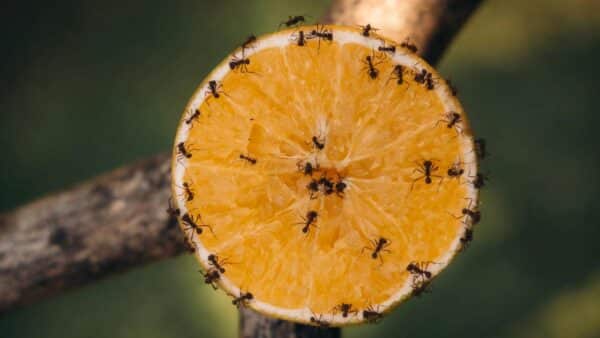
{"x":323,"y":176}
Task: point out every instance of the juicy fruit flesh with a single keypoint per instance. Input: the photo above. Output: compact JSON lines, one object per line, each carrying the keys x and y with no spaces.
{"x":376,"y":135}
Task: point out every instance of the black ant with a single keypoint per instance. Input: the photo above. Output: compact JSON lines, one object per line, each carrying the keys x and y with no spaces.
{"x":328,"y":186}
{"x":214,"y":261}
{"x":173,"y":212}
{"x":252,"y":160}
{"x":366,"y":30}
{"x":214,"y":89}
{"x":390,"y":49}
{"x":248,"y":43}
{"x":182,"y":152}
{"x":306,"y":168}
{"x":409,"y":45}
{"x":419,"y":269}
{"x":313,"y":188}
{"x":292,"y":21}
{"x":425,"y":78}
{"x":466,"y":239}
{"x":195,"y":115}
{"x":371,"y":314}
{"x":397,"y":74}
{"x":339,"y":188}
{"x":319,"y":321}
{"x":242,"y":300}
{"x":480,"y":149}
{"x":321,"y":33}
{"x":427,"y":168}
{"x":378,"y":246}
{"x":299,"y":38}
{"x":188,"y":191}
{"x":473,"y":214}
{"x":452,"y":120}
{"x":194,"y":223}
{"x":479,"y":181}
{"x":310,"y":219}
{"x":370,"y":66}
{"x":345,"y":309}
{"x":242,"y":64}
{"x":420,"y":286}
{"x":455,"y":171}
{"x":318,"y":143}
{"x":210,"y":277}
{"x":452,"y":87}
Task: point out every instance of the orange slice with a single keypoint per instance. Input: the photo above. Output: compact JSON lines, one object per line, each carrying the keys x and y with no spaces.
{"x":322,"y":179}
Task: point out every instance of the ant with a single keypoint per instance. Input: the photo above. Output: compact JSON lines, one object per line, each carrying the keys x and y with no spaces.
{"x":318,"y":143}
{"x":182,"y":152}
{"x":188,"y":192}
{"x":319,"y":321}
{"x":328,"y":186}
{"x":473,"y":214}
{"x":214,"y":261}
{"x":479,"y":181}
{"x":248,"y":43}
{"x":214,"y":89}
{"x":480,"y":149}
{"x":252,"y":160}
{"x":345,"y":309}
{"x":321,"y":33}
{"x":292,"y":21}
{"x":366,"y":30}
{"x":313,"y":188}
{"x":189,"y":245}
{"x":409,"y":45}
{"x":420,"y":286}
{"x":425,"y":78}
{"x":427,"y":169}
{"x":194,"y":223}
{"x":173,"y":212}
{"x":419,"y":269}
{"x":371,"y":314}
{"x":339,"y":188}
{"x":390,"y":49}
{"x":397,"y":74}
{"x":299,"y":38}
{"x":452,"y":87}
{"x":466,"y":239}
{"x":242,"y":300}
{"x":310,"y":219}
{"x":210,"y":277}
{"x":455,"y":171}
{"x":370,"y":66}
{"x":195,"y":115}
{"x":242,"y":64}
{"x":307,"y":168}
{"x":378,"y":246}
{"x":452,"y":120}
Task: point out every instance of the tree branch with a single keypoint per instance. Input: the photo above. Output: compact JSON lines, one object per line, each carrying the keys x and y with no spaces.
{"x":118,"y":220}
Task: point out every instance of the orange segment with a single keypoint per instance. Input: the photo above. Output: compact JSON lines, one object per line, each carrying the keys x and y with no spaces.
{"x":379,"y":196}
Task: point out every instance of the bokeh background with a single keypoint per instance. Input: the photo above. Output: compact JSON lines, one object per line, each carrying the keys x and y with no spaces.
{"x":89,"y":86}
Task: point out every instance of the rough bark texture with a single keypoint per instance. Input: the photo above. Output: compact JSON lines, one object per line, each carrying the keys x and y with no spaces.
{"x":118,"y":220}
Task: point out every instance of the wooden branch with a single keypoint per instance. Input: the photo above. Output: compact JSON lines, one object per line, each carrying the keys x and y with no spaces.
{"x":253,"y":324}
{"x":118,"y":220}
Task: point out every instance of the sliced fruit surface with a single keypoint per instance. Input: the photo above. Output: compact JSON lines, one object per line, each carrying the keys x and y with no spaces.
{"x":322,"y":176}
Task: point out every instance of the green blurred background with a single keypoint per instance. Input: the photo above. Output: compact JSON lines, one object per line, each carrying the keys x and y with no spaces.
{"x":89,"y":86}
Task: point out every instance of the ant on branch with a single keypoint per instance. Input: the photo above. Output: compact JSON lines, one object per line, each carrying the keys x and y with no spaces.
{"x":370,"y":62}
{"x":251,"y":160}
{"x":194,"y":116}
{"x":242,"y":300}
{"x":192,"y":223}
{"x":211,"y":277}
{"x":427,"y":168}
{"x":345,"y":309}
{"x":372,"y":315}
{"x":409,"y":45}
{"x":366,"y":30}
{"x":310,"y":219}
{"x":378,"y":246}
{"x":293,"y":21}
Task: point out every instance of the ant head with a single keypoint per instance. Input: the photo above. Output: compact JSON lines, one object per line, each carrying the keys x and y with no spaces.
{"x":211,"y":257}
{"x":311,"y":214}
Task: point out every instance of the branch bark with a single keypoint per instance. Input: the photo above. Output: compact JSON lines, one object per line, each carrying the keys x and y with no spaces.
{"x":118,"y":220}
